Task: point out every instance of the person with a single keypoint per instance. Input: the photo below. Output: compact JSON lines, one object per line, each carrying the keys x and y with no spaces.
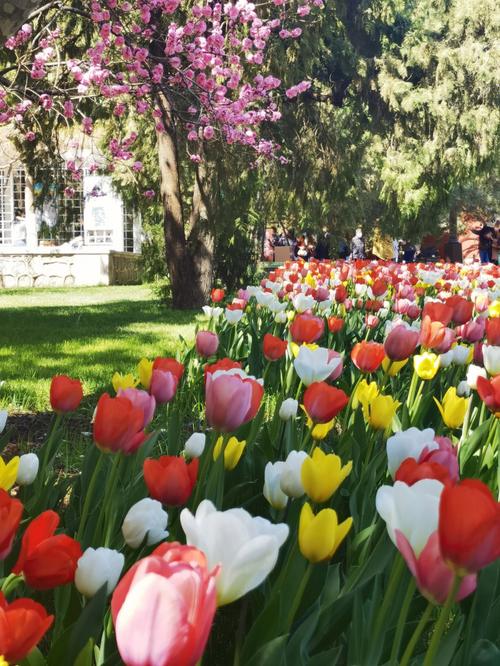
{"x":300,"y":249}
{"x":395,"y":249}
{"x":409,"y":252}
{"x":485,"y":242}
{"x":323,"y":245}
{"x":358,"y":245}
{"x":343,"y":248}
{"x":268,"y":252}
{"x":19,"y":232}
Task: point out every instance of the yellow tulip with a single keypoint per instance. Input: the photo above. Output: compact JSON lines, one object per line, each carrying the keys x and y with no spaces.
{"x":320,"y":430}
{"x":452,"y":408}
{"x":365,"y":392}
{"x":380,"y":411}
{"x":123,"y":381}
{"x":322,"y":474}
{"x":321,"y":535}
{"x":310,"y":280}
{"x":232,"y":453}
{"x":145,"y":371}
{"x":494,"y":308}
{"x":426,"y":365}
{"x":8,"y":472}
{"x":393,"y":367}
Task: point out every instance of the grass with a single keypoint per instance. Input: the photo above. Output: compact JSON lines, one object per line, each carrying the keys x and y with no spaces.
{"x":86,"y":333}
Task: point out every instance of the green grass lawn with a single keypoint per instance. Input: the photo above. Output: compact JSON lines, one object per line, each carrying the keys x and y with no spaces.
{"x":86,"y":333}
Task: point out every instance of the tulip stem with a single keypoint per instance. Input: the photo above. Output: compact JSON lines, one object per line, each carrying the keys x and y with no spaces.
{"x":110,"y":491}
{"x":396,"y":573}
{"x":441,"y":624}
{"x":298,"y":596}
{"x":410,"y":648}
{"x":88,"y":496}
{"x":47,"y":450}
{"x":403,"y":614}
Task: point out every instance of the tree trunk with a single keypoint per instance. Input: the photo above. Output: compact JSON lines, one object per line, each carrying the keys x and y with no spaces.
{"x":453,"y":248}
{"x":189,"y":259}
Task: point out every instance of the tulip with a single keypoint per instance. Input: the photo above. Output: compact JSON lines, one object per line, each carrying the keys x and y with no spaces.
{"x":172,"y":584}
{"x":291,"y":474}
{"x":217,"y":295}
{"x":473,"y":331}
{"x":233,"y":316}
{"x":170,"y":479}
{"x":411,"y":443}
{"x":301,"y":302}
{"x":367,"y":356}
{"x":47,"y":560}
{"x":212,"y":313}
{"x":432,"y":333}
{"x":380,"y":411}
{"x":246,"y":548}
{"x":207,"y":343}
{"x":393,"y":367}
{"x":491,"y":359}
{"x":364,"y":392}
{"x":272,"y":487}
{"x":462,"y":355}
{"x":332,"y":354}
{"x":445,"y":360}
{"x":3,"y":420}
{"x":315,"y":365}
{"x":274,"y":348}
{"x":288,"y":409}
{"x":222,"y":364}
{"x":493,"y":309}
{"x":452,"y":408}
{"x":145,"y":372}
{"x":433,"y":576}
{"x":462,"y":309}
{"x":23,"y":623}
{"x":323,"y":402}
{"x":163,"y":386}
{"x":98,"y":567}
{"x":8,"y":472}
{"x":463,"y":389}
{"x":335,"y":324}
{"x":122,"y":382}
{"x":169,"y":364}
{"x":489,"y":392}
{"x":469,"y":526}
{"x":411,"y":510}
{"x":340,"y":293}
{"x":232,"y":399}
{"x":445,"y":455}
{"x":449,"y":337}
{"x":410,"y":471}
{"x":11,"y":510}
{"x":141,"y":400}
{"x":145,"y":518}
{"x":195,"y":445}
{"x":322,"y":474}
{"x":118,"y":425}
{"x":307,"y":328}
{"x":400,"y":343}
{"x":478,"y":353}
{"x":438,"y":312}
{"x":232,"y":452}
{"x":426,"y":365}
{"x":65,"y":393}
{"x":321,"y":535}
{"x":28,"y":469}
{"x":492,"y":327}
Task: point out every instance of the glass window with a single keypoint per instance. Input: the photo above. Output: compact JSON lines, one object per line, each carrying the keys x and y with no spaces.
{"x":6,"y":212}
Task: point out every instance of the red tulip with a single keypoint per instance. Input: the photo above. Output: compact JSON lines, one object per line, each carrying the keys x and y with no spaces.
{"x":11,"y":510}
{"x":231,"y":399}
{"x":170,"y":479}
{"x":432,"y":333}
{"x":469,"y":526}
{"x":400,"y":343}
{"x":217,"y":295}
{"x":222,"y":364}
{"x":163,"y":608}
{"x":45,"y":560}
{"x":367,"y":356}
{"x":307,"y":328}
{"x":163,"y":386}
{"x":23,"y":623}
{"x":489,"y":392}
{"x":323,"y":402}
{"x":340,"y":293}
{"x":461,"y":307}
{"x":410,"y":471}
{"x":379,"y":287}
{"x":65,"y":393}
{"x":207,"y":343}
{"x":438,"y":312}
{"x":335,"y":324}
{"x":274,"y":348}
{"x":493,"y":331}
{"x":169,"y":365}
{"x":118,"y":425}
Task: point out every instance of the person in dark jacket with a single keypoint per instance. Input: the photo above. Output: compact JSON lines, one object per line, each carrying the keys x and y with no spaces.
{"x":485,"y":242}
{"x":322,"y":250}
{"x":358,"y":245}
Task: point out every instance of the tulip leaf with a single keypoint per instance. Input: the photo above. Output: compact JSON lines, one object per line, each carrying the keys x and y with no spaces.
{"x":449,"y":643}
{"x":263,"y":628}
{"x":298,"y":646}
{"x":328,"y":658}
{"x":271,"y":654}
{"x":484,"y":653}
{"x":472,"y":443}
{"x":85,"y":658}
{"x":35,"y":658}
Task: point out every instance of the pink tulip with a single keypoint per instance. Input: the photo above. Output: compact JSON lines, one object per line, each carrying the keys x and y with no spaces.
{"x":478,"y":354}
{"x":207,"y":343}
{"x":433,"y":576}
{"x":445,"y":455}
{"x":448,"y":340}
{"x":232,"y":399}
{"x":371,"y":321}
{"x":473,"y":330}
{"x":163,"y":386}
{"x":143,"y":401}
{"x":401,"y":306}
{"x":413,"y":311}
{"x":163,"y":608}
{"x":400,"y":343}
{"x":340,"y":367}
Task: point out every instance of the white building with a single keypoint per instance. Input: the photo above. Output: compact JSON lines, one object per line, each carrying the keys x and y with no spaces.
{"x":50,"y":239}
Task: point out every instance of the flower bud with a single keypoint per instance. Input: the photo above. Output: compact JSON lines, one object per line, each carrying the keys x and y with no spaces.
{"x":97,"y":567}
{"x":207,"y":343}
{"x":28,"y":469}
{"x":145,"y":517}
{"x":195,"y":445}
{"x":288,"y":409}
{"x":291,"y":474}
{"x":272,"y":490}
{"x":473,"y":372}
{"x":463,"y":389}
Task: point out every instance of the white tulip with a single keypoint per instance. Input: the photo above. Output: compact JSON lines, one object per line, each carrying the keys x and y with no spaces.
{"x":301,"y":302}
{"x":28,"y":469}
{"x":195,"y":445}
{"x":325,"y":305}
{"x":281,"y":318}
{"x":246,"y":548}
{"x":288,"y":409}
{"x":463,"y":389}
{"x":447,"y":359}
{"x":273,"y":286}
{"x":491,"y":359}
{"x":252,"y":290}
{"x":97,"y":567}
{"x":408,"y":444}
{"x":413,"y":510}
{"x":212,"y":312}
{"x":145,"y":517}
{"x":233,"y":316}
{"x":264,"y":298}
{"x":360,"y":289}
{"x":291,"y":474}
{"x":272,"y":490}
{"x":3,"y":420}
{"x":473,"y":372}
{"x":277,"y":306}
{"x":461,"y":354}
{"x":313,"y":365}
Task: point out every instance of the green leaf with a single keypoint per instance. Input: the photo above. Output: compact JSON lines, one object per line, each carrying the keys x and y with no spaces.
{"x":271,"y":654}
{"x":35,"y":658}
{"x":484,"y":653}
{"x":85,"y":658}
{"x":263,"y":629}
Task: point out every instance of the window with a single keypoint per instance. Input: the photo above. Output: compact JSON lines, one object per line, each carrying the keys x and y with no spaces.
{"x":128,"y":229}
{"x":99,"y":236}
{"x":5,"y":208}
{"x":19,"y":192}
